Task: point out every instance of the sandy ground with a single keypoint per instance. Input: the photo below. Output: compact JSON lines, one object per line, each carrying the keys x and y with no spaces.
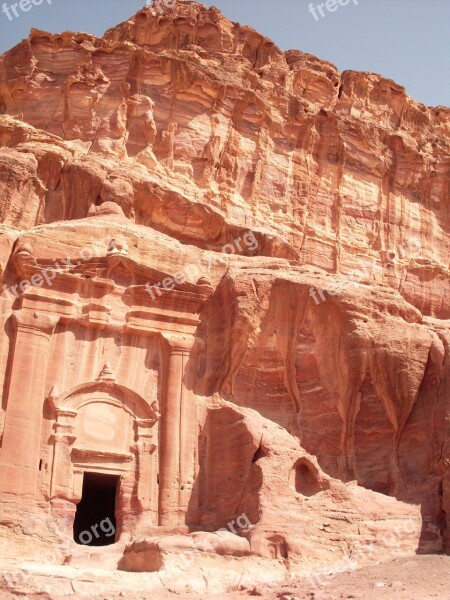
{"x":414,"y":578}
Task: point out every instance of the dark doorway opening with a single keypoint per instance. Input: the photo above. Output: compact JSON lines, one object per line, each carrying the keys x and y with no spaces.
{"x":95,"y":519}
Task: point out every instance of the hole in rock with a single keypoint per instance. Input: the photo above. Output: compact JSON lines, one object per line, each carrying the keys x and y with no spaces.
{"x":95,"y":519}
{"x":305,"y":480}
{"x":442,"y":522}
{"x":278,"y":546}
{"x":260,"y":453}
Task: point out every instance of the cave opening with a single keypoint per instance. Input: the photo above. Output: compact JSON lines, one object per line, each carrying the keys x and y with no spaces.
{"x":95,"y":519}
{"x":305,"y":479}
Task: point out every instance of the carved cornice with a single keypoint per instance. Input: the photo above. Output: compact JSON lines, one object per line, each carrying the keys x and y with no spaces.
{"x":100,"y":270}
{"x":87,"y":454}
{"x":80,"y":293}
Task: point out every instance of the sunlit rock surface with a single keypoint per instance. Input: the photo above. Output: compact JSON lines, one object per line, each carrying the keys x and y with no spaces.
{"x":225,"y":286}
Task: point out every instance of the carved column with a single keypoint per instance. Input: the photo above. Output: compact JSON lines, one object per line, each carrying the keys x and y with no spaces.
{"x":19,"y":460}
{"x":63,"y":439}
{"x":173,"y":442}
{"x":146,"y":475}
{"x":188,"y":437}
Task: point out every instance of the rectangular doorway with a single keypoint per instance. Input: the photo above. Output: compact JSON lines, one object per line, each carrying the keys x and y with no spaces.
{"x":95,"y":518}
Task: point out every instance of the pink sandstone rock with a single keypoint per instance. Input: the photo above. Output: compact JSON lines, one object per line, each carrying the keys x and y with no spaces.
{"x":185,"y":339}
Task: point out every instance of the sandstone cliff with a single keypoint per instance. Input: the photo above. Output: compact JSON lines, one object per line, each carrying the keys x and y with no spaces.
{"x":184,"y":135}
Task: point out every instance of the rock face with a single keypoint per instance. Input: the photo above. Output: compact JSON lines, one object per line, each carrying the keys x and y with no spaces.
{"x":225,"y":300}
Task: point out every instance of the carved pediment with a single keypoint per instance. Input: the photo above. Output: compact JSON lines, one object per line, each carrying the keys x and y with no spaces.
{"x":104,"y":389}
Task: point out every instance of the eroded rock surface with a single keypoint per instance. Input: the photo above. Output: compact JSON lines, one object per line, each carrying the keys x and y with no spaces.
{"x":225,"y":287}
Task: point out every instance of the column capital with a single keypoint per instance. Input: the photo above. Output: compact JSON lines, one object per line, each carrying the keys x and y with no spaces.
{"x":24,"y":319}
{"x":179,"y":344}
{"x":145,"y":445}
{"x":63,"y":437}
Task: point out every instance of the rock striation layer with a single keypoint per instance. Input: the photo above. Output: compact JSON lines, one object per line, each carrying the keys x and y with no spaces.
{"x":225,"y":290}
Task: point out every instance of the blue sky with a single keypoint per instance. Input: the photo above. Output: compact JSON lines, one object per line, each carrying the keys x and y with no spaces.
{"x":406,"y":40}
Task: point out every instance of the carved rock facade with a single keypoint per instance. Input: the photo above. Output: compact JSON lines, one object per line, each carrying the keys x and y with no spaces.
{"x":126,"y":164}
